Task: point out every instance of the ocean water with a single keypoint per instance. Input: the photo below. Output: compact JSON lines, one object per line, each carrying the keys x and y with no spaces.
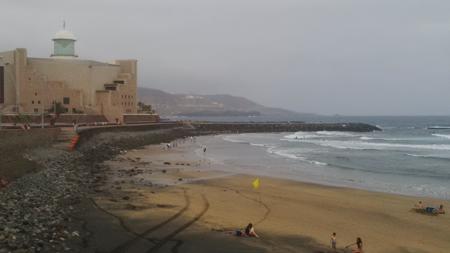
{"x":407,"y":157}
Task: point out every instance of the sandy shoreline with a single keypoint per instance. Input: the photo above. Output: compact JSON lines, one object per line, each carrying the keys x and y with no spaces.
{"x":183,"y":206}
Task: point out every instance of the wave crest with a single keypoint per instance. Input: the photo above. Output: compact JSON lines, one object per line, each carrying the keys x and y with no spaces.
{"x":445,"y":136}
{"x":361,"y":145}
{"x":284,"y":153}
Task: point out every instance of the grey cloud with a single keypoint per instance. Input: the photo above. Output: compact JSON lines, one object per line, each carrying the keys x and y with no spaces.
{"x":361,"y":57}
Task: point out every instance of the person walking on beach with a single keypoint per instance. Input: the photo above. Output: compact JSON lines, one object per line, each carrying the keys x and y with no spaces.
{"x":204,"y":149}
{"x":333,"y":241}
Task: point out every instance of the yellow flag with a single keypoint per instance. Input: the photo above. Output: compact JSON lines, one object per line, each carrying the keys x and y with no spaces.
{"x":255,"y":183}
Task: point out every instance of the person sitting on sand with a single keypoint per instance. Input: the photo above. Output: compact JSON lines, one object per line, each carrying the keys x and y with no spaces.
{"x":441,"y":209}
{"x":419,"y":205}
{"x":248,"y":232}
{"x":359,"y":246}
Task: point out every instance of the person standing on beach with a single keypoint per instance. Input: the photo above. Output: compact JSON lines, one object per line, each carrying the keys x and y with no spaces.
{"x":333,"y":241}
{"x":204,"y":149}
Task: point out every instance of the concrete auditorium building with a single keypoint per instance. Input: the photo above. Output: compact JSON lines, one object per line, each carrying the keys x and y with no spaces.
{"x":82,"y":87}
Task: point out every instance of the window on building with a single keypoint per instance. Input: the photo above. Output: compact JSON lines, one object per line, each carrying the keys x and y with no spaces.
{"x":35,"y":94}
{"x":2,"y":85}
{"x":39,"y":102}
{"x":119,"y":81}
{"x":66,"y":110}
{"x":36,"y":110}
{"x":66,"y":100}
{"x":32,"y":101}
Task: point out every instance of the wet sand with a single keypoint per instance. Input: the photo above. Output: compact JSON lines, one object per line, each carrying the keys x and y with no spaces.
{"x":174,"y":201}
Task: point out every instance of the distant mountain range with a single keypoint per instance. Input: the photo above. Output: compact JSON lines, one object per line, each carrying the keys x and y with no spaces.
{"x":167,"y":104}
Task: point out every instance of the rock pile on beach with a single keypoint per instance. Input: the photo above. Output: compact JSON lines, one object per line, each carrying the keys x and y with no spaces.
{"x":36,"y":210}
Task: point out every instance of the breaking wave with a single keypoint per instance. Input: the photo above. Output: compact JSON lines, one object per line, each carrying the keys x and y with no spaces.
{"x":439,"y":127}
{"x":360,"y":145}
{"x":284,"y":153}
{"x":233,"y":140}
{"x":230,"y":139}
{"x":445,"y":136}
{"x":319,"y":134}
{"x":428,"y":156}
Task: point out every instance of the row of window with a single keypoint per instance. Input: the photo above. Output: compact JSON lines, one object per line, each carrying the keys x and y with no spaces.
{"x":127,"y":96}
{"x":127,"y":103}
{"x":66,"y":110}
{"x":66,"y":101}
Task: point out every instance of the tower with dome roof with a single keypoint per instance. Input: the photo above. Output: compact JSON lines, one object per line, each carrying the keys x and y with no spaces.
{"x":64,"y":44}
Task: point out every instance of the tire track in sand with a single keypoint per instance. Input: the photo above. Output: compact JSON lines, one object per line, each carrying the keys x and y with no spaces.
{"x":122,"y":247}
{"x":180,"y":229}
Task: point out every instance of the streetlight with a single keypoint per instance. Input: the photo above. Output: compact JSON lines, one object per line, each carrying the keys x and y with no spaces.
{"x":42,"y":114}
{"x":1,"y":115}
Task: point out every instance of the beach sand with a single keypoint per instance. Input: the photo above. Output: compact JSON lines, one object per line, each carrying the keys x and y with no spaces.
{"x":190,"y":204}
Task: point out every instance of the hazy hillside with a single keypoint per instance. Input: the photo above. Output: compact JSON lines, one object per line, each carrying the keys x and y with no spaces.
{"x":167,"y":104}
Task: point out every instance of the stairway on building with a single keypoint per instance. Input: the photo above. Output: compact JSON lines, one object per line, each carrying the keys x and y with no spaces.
{"x":65,"y":138}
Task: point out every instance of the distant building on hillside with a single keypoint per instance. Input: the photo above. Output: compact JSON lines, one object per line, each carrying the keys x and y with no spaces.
{"x":81,"y":87}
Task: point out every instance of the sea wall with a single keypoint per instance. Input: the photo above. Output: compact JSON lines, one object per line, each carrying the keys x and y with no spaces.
{"x":282,"y":127}
{"x":217,"y":128}
{"x":14,"y":144}
{"x":89,"y":132}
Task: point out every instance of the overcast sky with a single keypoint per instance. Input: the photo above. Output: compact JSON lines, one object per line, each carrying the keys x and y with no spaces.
{"x":354,"y":57}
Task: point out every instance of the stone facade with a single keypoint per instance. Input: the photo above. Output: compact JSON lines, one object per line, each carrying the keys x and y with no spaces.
{"x":32,"y":85}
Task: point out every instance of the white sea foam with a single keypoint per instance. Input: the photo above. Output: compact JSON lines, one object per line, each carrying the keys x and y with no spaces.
{"x":230,"y":139}
{"x":367,"y":138}
{"x":301,"y":135}
{"x":429,"y":156}
{"x":258,"y":144}
{"x":439,"y":127}
{"x":319,"y":134}
{"x":445,"y":136}
{"x":234,"y":140}
{"x":318,"y":163}
{"x":336,"y":133}
{"x":285,"y":153}
{"x":415,"y":155}
{"x":360,"y":145}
